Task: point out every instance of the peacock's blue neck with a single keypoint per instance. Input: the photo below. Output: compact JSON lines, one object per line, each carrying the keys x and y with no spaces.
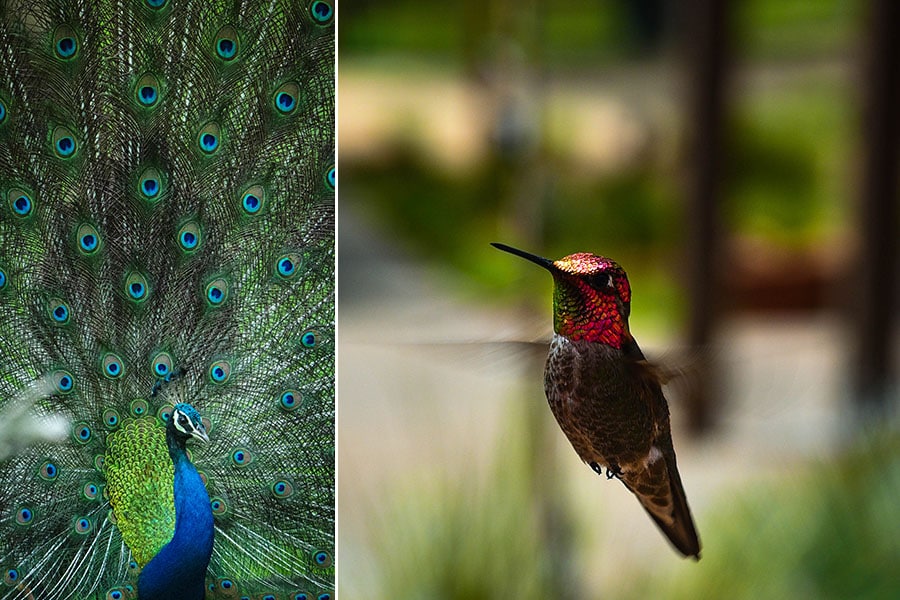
{"x":178,"y":571}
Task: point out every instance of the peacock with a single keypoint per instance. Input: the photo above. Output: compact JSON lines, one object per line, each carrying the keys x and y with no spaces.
{"x":167,"y":227}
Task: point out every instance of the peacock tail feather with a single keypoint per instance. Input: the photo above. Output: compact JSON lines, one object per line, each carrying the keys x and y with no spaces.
{"x":166,"y":236}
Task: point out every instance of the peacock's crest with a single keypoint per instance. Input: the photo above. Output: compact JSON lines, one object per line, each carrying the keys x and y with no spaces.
{"x":166,"y":252}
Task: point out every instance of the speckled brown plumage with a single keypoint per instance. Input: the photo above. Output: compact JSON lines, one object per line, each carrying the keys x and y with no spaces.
{"x":614,"y":413}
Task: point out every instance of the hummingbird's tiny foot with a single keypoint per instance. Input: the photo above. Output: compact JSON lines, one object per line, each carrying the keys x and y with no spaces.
{"x":613,"y":470}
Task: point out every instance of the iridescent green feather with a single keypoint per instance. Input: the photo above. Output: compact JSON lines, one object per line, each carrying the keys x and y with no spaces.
{"x":139,"y":479}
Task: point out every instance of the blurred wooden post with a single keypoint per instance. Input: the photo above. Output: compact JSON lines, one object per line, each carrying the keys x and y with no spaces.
{"x":706,"y":26}
{"x":872,"y":363}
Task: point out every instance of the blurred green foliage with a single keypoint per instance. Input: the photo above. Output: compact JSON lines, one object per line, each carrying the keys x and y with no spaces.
{"x":578,"y":31}
{"x":477,"y":536}
{"x":581,"y":33}
{"x":819,"y":530}
{"x":830,"y":531}
{"x":400,"y":26}
{"x":788,"y":163}
{"x":797,"y":29}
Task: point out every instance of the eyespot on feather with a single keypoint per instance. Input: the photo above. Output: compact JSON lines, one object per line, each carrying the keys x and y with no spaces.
{"x":287,"y":98}
{"x":89,"y":240}
{"x":65,"y":42}
{"x":226,"y":43}
{"x":208,"y":139}
{"x":147,"y":90}
{"x":64,"y":144}
{"x":20,"y":202}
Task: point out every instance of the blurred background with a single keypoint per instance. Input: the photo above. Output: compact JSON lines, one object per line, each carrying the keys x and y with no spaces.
{"x":739,"y":160}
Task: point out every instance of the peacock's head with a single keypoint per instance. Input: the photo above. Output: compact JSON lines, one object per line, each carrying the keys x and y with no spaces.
{"x":186,"y":423}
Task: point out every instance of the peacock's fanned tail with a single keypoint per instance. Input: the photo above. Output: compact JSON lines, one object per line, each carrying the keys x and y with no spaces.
{"x":166,"y":235}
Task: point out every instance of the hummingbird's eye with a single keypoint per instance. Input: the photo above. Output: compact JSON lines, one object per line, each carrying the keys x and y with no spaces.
{"x":602,"y":281}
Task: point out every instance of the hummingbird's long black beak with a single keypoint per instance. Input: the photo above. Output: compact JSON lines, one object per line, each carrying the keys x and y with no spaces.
{"x":538,"y":260}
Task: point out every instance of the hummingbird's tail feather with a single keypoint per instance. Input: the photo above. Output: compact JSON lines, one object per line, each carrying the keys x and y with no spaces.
{"x":657,"y":485}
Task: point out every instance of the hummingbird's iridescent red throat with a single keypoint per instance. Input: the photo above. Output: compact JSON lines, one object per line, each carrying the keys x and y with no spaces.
{"x":605,"y":396}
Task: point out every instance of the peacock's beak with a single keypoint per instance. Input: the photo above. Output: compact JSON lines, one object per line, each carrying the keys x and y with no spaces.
{"x":200,"y":434}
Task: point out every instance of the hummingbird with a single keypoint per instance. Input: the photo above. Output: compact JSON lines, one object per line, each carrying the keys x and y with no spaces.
{"x":606,"y":397}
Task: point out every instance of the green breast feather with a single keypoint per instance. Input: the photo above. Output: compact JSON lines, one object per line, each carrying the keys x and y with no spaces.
{"x":139,"y":478}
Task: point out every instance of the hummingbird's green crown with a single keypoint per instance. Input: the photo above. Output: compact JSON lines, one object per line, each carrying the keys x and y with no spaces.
{"x":591,"y":296}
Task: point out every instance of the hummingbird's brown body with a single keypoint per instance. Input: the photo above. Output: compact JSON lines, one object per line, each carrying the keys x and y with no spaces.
{"x":612,"y":409}
{"x":605,"y":396}
{"x":599,"y":403}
